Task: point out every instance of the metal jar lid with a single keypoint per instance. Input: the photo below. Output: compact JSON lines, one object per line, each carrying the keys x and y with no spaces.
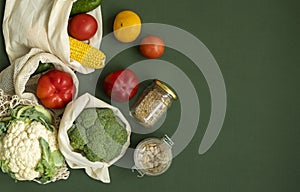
{"x":166,"y":88}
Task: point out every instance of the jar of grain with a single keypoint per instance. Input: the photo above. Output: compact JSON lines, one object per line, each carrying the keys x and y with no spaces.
{"x":153,"y":156}
{"x":153,"y":103}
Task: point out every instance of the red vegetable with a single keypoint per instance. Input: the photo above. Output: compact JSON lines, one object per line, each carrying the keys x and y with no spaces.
{"x":82,"y":26}
{"x":55,"y":89}
{"x":121,"y":85}
{"x":152,"y":47}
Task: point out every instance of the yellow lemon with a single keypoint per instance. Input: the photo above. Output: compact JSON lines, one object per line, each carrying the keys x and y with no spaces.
{"x":127,"y":26}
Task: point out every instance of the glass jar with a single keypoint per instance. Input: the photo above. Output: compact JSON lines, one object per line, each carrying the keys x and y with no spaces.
{"x":153,"y":103}
{"x":153,"y":156}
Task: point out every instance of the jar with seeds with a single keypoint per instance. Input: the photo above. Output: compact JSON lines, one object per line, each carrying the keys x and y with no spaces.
{"x":153,"y":103}
{"x":153,"y":156}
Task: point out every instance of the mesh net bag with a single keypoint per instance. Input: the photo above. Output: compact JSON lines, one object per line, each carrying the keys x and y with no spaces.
{"x":10,"y":101}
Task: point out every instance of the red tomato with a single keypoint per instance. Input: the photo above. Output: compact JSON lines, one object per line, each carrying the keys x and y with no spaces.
{"x":152,"y":47}
{"x":55,"y":89}
{"x":121,"y":85}
{"x":82,"y":26}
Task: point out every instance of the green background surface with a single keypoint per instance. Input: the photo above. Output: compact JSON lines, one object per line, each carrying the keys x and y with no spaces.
{"x":256,"y":44}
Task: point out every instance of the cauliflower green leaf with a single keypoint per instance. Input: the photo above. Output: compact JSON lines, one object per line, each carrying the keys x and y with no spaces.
{"x":5,"y":168}
{"x":49,"y":162}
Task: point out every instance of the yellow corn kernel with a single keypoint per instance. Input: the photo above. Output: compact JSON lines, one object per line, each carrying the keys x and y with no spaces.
{"x":85,"y":54}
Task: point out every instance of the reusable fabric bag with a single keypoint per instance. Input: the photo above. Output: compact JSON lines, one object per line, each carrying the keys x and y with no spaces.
{"x":36,"y":30}
{"x":43,"y":24}
{"x":17,"y":78}
{"x":97,"y":170}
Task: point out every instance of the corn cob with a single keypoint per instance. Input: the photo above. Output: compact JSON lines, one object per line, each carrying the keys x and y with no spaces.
{"x":85,"y":54}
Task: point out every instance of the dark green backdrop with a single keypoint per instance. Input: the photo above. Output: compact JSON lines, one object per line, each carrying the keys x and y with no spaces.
{"x":256,"y":44}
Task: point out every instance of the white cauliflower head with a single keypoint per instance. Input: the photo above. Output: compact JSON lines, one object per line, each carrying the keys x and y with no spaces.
{"x":21,"y":150}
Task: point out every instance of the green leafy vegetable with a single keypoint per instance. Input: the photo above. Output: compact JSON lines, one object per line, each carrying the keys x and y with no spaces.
{"x":31,"y":113}
{"x":3,"y":127}
{"x":27,"y":113}
{"x":49,"y":162}
{"x":5,"y":168}
{"x":58,"y":158}
{"x":98,"y":134}
{"x":43,"y":67}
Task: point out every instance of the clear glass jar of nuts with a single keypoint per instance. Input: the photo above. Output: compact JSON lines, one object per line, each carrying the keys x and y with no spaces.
{"x":153,"y":156}
{"x":153,"y":103}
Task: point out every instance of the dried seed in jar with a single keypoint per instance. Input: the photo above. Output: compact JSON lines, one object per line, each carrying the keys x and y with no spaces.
{"x":153,"y":158}
{"x":153,"y":103}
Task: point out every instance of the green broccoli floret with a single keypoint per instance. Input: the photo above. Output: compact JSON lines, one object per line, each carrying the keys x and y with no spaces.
{"x":113,"y":147}
{"x":91,"y":155}
{"x":87,"y":117}
{"x":98,"y":134}
{"x":95,"y":152}
{"x":116,"y":131}
{"x":105,"y":115}
{"x":77,"y":136}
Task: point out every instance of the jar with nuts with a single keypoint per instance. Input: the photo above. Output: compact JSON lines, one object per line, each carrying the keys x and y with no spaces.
{"x":153,"y":156}
{"x":153,"y":103}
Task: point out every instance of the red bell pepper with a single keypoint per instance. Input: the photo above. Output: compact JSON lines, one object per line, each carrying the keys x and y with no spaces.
{"x":55,"y":89}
